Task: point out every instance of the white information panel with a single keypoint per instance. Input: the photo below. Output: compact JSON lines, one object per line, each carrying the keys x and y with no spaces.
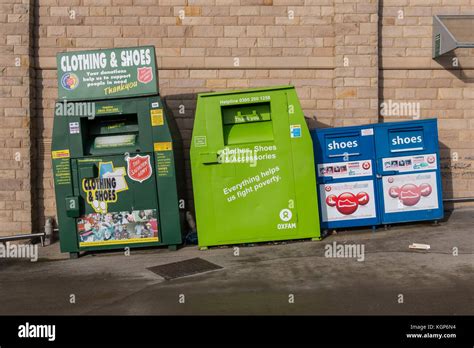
{"x":410,"y":163}
{"x":347,"y":201}
{"x":410,"y":192}
{"x":345,"y":169}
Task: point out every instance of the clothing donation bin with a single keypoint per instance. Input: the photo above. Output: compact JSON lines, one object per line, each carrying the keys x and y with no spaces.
{"x":253,"y":168}
{"x":408,"y":170}
{"x":114,"y":153}
{"x":345,"y":173}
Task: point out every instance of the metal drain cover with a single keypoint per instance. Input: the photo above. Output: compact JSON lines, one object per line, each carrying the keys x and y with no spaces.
{"x":184,"y":268}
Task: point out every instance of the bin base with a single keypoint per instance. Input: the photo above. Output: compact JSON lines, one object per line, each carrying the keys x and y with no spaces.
{"x":73,"y":256}
{"x":203,"y":248}
{"x":172,"y":247}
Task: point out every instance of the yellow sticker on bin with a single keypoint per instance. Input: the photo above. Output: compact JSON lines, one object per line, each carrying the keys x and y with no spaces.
{"x":157,"y":117}
{"x":163,"y":146}
{"x":60,"y":154}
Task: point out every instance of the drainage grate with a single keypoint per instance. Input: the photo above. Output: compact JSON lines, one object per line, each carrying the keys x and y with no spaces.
{"x":184,"y":268}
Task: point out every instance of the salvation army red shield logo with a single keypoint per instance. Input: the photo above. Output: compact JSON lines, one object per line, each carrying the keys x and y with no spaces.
{"x":145,"y":75}
{"x":139,"y":168}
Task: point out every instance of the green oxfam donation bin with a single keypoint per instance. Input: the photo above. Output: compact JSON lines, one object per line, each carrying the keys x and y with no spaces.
{"x":253,"y":168}
{"x":115,"y":153}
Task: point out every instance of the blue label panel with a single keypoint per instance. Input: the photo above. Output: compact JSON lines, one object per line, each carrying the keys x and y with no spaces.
{"x":406,"y":140}
{"x":340,"y":146}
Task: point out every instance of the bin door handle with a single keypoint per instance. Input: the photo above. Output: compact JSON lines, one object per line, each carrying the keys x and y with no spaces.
{"x":209,"y":157}
{"x":346,"y":154}
{"x":391,"y":172}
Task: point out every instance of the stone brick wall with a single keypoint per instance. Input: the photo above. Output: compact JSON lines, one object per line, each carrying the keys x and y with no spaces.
{"x":345,"y":57}
{"x":16,"y":105}
{"x":356,"y":70}
{"x":200,"y":46}
{"x":444,"y":88}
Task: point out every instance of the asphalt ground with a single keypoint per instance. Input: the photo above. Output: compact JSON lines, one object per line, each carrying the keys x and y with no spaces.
{"x":273,"y":278}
